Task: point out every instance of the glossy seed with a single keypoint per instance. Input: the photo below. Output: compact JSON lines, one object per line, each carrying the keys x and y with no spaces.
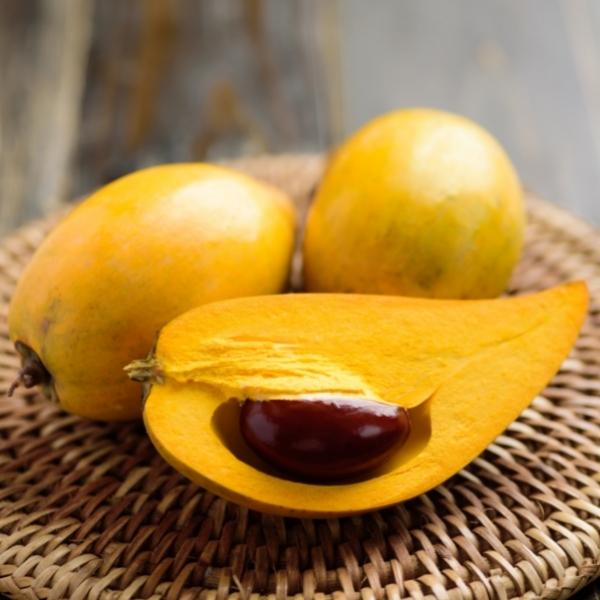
{"x":324,"y":440}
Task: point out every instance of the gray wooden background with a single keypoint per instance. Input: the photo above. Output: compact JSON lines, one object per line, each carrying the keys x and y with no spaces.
{"x":91,"y":89}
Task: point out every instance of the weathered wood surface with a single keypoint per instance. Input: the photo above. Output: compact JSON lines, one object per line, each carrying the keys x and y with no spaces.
{"x":90,"y":89}
{"x":179,"y":80}
{"x":43,"y":54}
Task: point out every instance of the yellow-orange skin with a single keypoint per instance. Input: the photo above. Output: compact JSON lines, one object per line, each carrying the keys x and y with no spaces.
{"x":464,"y":370}
{"x":418,"y":203}
{"x":133,"y":256}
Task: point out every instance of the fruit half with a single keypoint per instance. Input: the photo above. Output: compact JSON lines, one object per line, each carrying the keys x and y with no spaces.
{"x":464,"y":370}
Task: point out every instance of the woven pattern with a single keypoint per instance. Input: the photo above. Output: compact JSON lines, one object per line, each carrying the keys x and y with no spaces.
{"x":90,"y":511}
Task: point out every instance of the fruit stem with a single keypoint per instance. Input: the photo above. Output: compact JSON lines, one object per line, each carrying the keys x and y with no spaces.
{"x":32,"y":373}
{"x":145,"y":370}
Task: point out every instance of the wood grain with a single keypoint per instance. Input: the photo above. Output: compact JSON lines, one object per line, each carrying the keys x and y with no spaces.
{"x":43,"y":49}
{"x":177,"y":80}
{"x":164,"y":80}
{"x":93,"y":89}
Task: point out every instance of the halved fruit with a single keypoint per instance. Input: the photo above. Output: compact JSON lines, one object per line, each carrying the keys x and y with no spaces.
{"x":462,"y":369}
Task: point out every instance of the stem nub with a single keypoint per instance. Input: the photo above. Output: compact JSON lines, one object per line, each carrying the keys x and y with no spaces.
{"x":32,"y":372}
{"x":145,"y":370}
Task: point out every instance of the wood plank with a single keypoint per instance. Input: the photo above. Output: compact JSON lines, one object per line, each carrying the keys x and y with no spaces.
{"x":177,"y":80}
{"x":43,"y":52}
{"x":166,"y":80}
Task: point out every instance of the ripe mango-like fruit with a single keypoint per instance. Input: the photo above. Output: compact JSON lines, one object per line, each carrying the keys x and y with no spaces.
{"x":460,"y":370}
{"x":416,"y":203}
{"x":130,"y":258}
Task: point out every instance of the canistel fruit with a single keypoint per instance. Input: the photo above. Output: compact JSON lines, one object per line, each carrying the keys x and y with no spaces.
{"x":133,"y":256}
{"x":416,"y":203}
{"x":235,"y":388}
{"x":324,"y":439}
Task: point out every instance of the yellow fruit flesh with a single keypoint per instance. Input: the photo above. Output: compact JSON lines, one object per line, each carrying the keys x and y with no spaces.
{"x":136,"y":254}
{"x":418,"y":203}
{"x":464,"y":369}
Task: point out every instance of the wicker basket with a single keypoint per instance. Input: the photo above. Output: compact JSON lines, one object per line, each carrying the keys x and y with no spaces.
{"x":90,"y":511}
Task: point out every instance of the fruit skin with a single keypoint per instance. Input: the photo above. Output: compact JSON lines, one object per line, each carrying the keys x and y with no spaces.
{"x":134,"y":255}
{"x":418,"y":202}
{"x":464,"y":370}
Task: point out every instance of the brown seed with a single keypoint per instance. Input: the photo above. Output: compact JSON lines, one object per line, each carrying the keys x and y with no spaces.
{"x":324,"y":440}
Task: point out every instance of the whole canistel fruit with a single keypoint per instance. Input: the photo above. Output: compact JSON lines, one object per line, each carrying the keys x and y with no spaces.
{"x":133,"y":256}
{"x":416,"y":203}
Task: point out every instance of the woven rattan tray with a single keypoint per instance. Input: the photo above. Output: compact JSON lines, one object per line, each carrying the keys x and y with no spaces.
{"x":90,"y":511}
